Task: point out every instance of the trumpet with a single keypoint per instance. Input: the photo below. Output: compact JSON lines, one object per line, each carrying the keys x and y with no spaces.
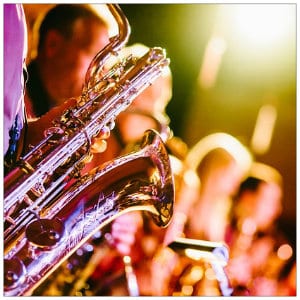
{"x":50,"y":210}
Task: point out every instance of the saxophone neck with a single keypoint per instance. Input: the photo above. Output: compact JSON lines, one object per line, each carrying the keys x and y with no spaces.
{"x":116,"y":44}
{"x":123,"y":25}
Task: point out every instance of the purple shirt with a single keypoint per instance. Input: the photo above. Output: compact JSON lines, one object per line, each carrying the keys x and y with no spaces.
{"x":15,"y":50}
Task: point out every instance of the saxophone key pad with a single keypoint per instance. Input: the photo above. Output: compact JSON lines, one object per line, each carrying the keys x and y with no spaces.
{"x":14,"y":273}
{"x":45,"y":233}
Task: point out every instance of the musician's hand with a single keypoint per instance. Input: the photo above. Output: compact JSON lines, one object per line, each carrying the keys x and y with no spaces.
{"x":123,"y":231}
{"x":37,"y":127}
{"x":99,"y":143}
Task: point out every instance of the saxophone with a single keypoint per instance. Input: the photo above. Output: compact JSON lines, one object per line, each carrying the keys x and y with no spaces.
{"x":50,"y":210}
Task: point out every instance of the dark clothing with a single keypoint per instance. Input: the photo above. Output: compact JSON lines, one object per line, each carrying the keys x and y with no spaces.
{"x":36,"y":91}
{"x":15,"y":146}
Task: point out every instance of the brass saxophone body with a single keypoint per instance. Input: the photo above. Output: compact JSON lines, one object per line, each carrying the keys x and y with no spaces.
{"x":50,"y":210}
{"x":141,"y":180}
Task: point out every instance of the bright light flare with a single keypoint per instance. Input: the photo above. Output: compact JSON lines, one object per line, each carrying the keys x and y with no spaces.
{"x":285,"y":252}
{"x":264,"y":127}
{"x":205,"y":255}
{"x":214,"y":51}
{"x":263,"y":24}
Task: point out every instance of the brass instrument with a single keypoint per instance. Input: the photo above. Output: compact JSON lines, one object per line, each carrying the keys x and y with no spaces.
{"x":49,"y":208}
{"x":138,"y":181}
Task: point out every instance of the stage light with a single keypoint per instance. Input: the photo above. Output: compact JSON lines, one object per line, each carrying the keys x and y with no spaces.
{"x":263,"y":24}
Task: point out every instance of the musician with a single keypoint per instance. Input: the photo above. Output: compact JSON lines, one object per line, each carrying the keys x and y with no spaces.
{"x":18,"y":133}
{"x":215,"y":166}
{"x":253,"y":236}
{"x":70,"y":35}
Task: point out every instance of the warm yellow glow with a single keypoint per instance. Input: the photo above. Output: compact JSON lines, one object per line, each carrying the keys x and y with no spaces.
{"x":176,"y":165}
{"x":127,"y":259}
{"x":249,"y":227}
{"x":263,"y":24}
{"x":191,"y":178}
{"x":219,"y":140}
{"x":187,"y":290}
{"x":211,"y":62}
{"x":198,"y":254}
{"x":210,"y":274}
{"x":196,"y":273}
{"x":205,"y":255}
{"x":264,"y":128}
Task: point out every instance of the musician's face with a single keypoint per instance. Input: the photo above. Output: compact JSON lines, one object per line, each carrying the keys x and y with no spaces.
{"x":263,"y":206}
{"x":223,"y":180}
{"x":75,"y":55}
{"x":267,"y":204}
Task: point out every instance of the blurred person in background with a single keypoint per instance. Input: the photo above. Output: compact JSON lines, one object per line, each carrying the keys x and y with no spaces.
{"x":212,"y":172}
{"x":258,"y":249}
{"x":20,"y":130}
{"x":215,"y":166}
{"x":70,"y":35}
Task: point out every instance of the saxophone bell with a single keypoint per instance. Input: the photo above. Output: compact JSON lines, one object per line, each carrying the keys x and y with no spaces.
{"x":138,"y":181}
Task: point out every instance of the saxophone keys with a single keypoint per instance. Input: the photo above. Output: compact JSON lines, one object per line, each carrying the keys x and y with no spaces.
{"x":14,"y":273}
{"x":104,"y":132}
{"x":111,"y":124}
{"x":99,"y":145}
{"x":45,"y":233}
{"x":56,"y":131}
